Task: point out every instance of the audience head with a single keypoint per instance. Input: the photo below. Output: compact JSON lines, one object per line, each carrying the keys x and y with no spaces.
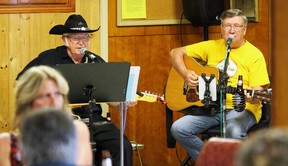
{"x":267,"y":147}
{"x":40,"y":87}
{"x":48,"y":136}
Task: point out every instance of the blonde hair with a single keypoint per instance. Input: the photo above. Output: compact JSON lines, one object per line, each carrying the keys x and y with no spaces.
{"x":28,"y":87}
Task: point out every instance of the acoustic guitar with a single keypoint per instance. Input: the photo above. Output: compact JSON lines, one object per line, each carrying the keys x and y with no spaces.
{"x":179,"y":98}
{"x":175,"y":93}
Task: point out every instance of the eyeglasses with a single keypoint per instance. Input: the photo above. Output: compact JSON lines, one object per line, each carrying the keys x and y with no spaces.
{"x":75,"y":39}
{"x":48,"y":96}
{"x":228,"y":27}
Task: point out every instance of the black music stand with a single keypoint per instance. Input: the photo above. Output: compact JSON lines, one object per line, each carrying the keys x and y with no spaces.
{"x":98,"y":82}
{"x":108,"y":81}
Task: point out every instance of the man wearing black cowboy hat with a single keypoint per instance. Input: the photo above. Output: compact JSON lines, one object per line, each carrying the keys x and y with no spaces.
{"x":76,"y":38}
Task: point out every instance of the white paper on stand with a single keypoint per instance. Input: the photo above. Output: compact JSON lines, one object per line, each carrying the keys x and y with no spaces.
{"x":132,"y":83}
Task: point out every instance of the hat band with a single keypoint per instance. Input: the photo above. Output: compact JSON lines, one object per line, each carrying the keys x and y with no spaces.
{"x":81,"y":29}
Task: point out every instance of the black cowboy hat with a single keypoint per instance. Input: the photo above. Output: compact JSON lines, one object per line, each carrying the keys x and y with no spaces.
{"x":74,"y":24}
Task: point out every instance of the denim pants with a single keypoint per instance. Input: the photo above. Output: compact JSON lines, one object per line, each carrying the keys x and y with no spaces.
{"x":186,"y":129}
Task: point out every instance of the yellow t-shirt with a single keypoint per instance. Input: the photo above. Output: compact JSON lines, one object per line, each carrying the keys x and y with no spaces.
{"x":247,"y":61}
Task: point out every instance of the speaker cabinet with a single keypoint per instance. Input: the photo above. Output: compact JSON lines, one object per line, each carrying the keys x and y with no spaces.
{"x":203,"y":12}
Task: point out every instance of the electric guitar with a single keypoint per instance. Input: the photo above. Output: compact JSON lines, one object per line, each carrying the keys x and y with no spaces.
{"x":179,"y":98}
{"x":150,"y":97}
{"x":141,"y":96}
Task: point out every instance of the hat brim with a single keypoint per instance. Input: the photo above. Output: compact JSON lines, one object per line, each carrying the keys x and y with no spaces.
{"x":61,"y":29}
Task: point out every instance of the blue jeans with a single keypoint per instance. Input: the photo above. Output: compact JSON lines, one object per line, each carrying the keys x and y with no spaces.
{"x":186,"y":129}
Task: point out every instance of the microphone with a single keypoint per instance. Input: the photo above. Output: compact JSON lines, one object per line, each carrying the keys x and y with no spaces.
{"x":88,"y":53}
{"x":229,"y":40}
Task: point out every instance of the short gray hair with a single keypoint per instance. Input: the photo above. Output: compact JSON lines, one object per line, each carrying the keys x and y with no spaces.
{"x":266,"y":147}
{"x":48,"y":135}
{"x":233,"y":13}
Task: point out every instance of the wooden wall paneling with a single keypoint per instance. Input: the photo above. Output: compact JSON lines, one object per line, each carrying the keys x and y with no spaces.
{"x":122,"y":49}
{"x":4,"y":79}
{"x":13,"y":51}
{"x":94,"y":22}
{"x":152,"y":58}
{"x":37,"y":41}
{"x":279,"y":56}
{"x":45,"y":22}
{"x":24,"y":41}
{"x":90,"y":11}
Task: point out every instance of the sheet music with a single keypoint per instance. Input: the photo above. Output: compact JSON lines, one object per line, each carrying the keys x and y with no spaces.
{"x":132,"y":83}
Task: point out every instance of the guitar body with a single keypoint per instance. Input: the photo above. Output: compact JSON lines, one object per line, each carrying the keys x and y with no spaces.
{"x":174,"y":92}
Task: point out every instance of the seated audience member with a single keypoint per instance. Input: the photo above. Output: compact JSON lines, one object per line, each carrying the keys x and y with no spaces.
{"x":37,"y":88}
{"x":48,"y":137}
{"x":219,"y":151}
{"x":267,"y":147}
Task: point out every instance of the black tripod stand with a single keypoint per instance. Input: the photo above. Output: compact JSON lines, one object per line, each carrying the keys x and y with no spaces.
{"x":92,"y":103}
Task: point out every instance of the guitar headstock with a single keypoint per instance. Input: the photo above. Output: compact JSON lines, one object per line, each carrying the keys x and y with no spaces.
{"x":264,"y":95}
{"x":150,"y":97}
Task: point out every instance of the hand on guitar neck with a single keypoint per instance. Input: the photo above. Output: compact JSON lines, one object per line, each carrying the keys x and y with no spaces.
{"x":263,"y":95}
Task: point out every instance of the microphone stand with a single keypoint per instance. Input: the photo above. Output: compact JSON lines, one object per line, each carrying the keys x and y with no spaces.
{"x":223,"y":84}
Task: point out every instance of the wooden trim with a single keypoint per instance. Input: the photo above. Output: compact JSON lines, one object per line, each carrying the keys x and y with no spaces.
{"x":68,"y":6}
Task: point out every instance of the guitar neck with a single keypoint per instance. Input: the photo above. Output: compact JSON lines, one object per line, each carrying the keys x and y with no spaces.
{"x":264,"y":95}
{"x":149,"y":97}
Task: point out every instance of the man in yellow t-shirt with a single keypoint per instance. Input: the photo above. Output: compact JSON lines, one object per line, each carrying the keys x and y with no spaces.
{"x":244,"y":59}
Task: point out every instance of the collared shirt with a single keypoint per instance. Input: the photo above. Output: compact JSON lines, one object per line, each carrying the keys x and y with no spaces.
{"x":59,"y":55}
{"x":56,"y":56}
